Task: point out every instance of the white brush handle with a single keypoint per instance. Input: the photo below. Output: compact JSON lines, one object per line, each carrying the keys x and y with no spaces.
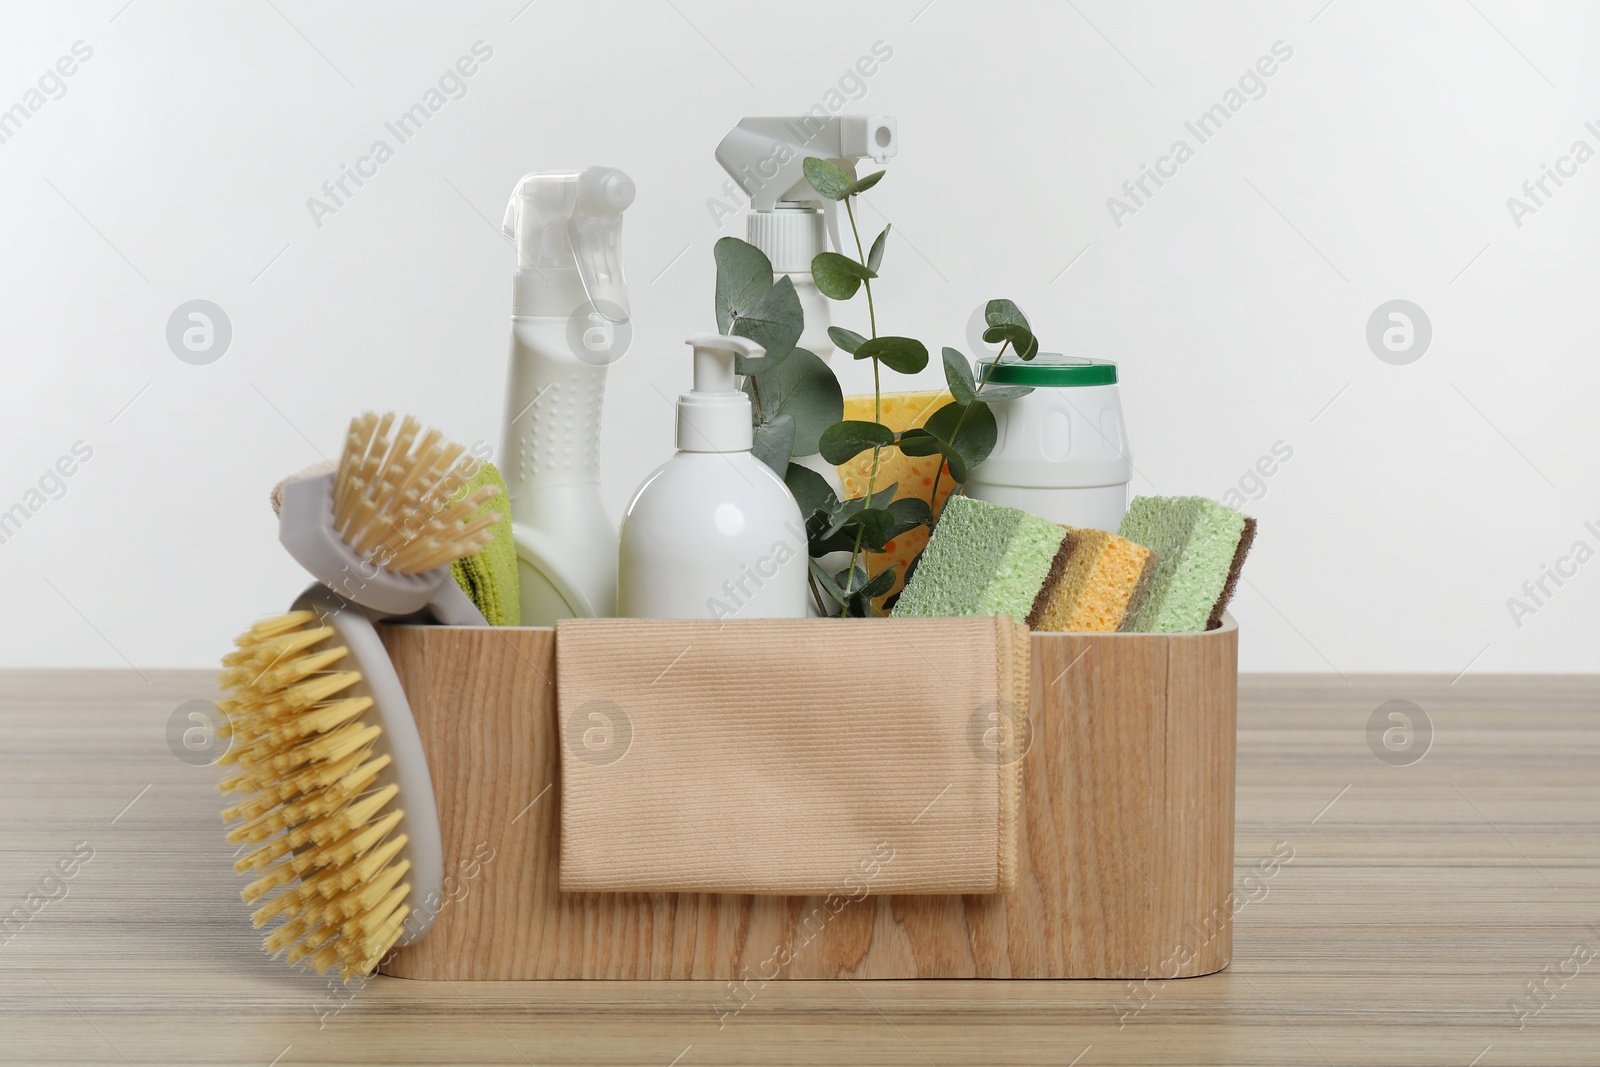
{"x":452,"y":607}
{"x":408,"y":766}
{"x":305,"y":527}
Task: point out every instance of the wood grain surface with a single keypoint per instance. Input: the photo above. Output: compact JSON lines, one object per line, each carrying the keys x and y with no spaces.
{"x":1420,"y":902}
{"x":1125,"y":853}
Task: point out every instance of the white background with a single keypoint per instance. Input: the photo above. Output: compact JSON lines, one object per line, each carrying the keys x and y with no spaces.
{"x":1419,"y":498}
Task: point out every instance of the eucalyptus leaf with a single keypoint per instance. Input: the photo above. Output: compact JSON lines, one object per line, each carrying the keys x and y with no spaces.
{"x":773,"y":443}
{"x":1004,"y":313}
{"x":830,"y":180}
{"x":917,"y":441}
{"x":832,"y":281}
{"x":958,"y":466}
{"x":1007,"y":323}
{"x":851,"y":580}
{"x":862,"y":184}
{"x":1027,"y":347}
{"x":967,"y":434}
{"x":835,"y":262}
{"x":881,"y":583}
{"x":744,"y":274}
{"x":1021,"y":338}
{"x":958,"y":375}
{"x":844,"y":441}
{"x":990,"y":394}
{"x":802,"y":387}
{"x":906,"y":355}
{"x":876,"y":526}
{"x":825,"y":580}
{"x":875,"y":257}
{"x":845,"y":509}
{"x":774,"y":322}
{"x":822,"y":543}
{"x":881,"y":498}
{"x":909,"y":513}
{"x":811,"y":490}
{"x":847,"y":340}
{"x":858,"y":591}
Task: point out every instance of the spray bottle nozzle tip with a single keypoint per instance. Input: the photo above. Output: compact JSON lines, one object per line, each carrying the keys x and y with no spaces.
{"x":605,"y":190}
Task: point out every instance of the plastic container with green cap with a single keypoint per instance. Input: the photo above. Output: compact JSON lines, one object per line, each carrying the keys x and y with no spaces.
{"x":1062,"y":451}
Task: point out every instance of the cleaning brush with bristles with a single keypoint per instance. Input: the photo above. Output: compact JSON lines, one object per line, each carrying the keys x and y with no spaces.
{"x":383,"y":527}
{"x":334,"y":801}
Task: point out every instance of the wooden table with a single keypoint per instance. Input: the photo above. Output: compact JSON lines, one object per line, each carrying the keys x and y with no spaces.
{"x":1421,"y":900}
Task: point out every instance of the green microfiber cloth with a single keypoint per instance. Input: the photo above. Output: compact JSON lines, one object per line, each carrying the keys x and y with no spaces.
{"x":1199,"y":546}
{"x":489,"y":578}
{"x":984,"y":559}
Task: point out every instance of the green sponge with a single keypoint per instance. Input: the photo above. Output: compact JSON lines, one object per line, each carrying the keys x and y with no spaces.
{"x":984,"y":559}
{"x":1199,"y":545}
{"x":490,"y":577}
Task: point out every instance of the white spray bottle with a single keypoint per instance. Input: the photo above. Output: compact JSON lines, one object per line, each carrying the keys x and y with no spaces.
{"x":569,"y":322}
{"x":791,"y":223}
{"x":787,"y":218}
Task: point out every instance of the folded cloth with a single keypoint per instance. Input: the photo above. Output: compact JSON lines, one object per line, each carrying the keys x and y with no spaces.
{"x":489,"y":577}
{"x":791,"y":756}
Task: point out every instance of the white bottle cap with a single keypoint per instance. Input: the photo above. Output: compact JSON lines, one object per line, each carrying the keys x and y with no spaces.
{"x":715,"y":416}
{"x":791,"y":236}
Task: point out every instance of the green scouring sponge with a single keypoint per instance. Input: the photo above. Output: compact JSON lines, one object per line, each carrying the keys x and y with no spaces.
{"x":985,"y":559}
{"x":1200,"y":546}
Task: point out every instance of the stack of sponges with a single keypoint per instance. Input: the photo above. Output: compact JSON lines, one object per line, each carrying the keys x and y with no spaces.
{"x":489,"y":578}
{"x":914,"y":474}
{"x":1104,"y":582}
{"x":986,"y":559}
{"x":1200,"y":547}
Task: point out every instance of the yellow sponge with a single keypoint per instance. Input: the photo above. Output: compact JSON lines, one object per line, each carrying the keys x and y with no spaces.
{"x":915,"y":474}
{"x":1104,"y":581}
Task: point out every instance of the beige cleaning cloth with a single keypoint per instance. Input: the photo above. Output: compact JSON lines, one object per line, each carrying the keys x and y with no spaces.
{"x":791,"y":756}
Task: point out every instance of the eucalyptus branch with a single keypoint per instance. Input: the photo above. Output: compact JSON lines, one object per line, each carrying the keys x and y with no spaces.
{"x":960,"y":439}
{"x":816,"y":594}
{"x":933,"y":497}
{"x":877,"y":397}
{"x":861,"y":257}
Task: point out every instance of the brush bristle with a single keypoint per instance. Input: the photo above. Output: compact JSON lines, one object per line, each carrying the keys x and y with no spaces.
{"x":394,"y":500}
{"x":325,"y":835}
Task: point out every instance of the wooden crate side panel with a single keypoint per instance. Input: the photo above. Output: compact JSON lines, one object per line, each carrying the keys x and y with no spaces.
{"x":1105,"y":828}
{"x":1193,"y":931}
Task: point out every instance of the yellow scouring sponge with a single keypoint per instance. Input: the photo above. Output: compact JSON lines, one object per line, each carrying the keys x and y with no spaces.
{"x":1100,"y":590}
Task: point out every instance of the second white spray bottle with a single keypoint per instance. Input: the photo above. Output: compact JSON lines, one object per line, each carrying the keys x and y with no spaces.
{"x":569,"y":323}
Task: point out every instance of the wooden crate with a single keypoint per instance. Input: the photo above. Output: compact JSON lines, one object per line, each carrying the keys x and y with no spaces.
{"x":1126,"y":848}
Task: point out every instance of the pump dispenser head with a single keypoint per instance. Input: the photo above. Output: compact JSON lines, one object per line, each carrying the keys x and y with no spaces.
{"x":715,"y":415}
{"x":567,"y":227}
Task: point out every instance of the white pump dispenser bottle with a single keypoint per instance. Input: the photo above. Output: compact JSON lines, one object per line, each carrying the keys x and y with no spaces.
{"x":787,"y":219}
{"x":713,"y":533}
{"x":569,"y":322}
